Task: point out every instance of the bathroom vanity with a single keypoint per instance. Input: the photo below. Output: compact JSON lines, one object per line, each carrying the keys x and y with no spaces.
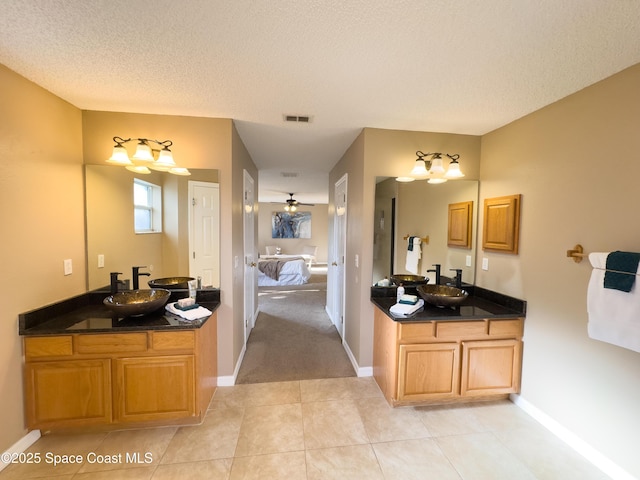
{"x":86,"y":368}
{"x":442,"y":355}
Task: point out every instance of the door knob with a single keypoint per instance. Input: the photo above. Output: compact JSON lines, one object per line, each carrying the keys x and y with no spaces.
{"x":252,"y":264}
{"x":334,"y":264}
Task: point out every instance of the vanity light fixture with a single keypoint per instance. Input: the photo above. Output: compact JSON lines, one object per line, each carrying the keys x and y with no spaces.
{"x":433,"y":169}
{"x":143,"y":159}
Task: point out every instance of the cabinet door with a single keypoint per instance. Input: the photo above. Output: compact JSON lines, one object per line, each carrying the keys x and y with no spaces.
{"x":428,"y":371}
{"x":68,"y":393}
{"x":490,"y":367}
{"x":154,"y":388}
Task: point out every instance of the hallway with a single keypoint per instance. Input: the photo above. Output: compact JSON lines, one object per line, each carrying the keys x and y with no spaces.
{"x":294,"y":338}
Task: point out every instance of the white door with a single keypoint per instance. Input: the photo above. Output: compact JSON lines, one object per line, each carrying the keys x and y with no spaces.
{"x":339,"y":251}
{"x":250,"y":276}
{"x":204,"y":232}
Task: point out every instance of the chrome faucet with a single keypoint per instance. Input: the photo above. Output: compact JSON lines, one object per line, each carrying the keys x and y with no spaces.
{"x":437,"y":272}
{"x":114,"y":282}
{"x":458,"y":276}
{"x":136,"y":276}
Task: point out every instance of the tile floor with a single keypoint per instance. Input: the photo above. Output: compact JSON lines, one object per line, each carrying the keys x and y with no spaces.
{"x":320,"y":429}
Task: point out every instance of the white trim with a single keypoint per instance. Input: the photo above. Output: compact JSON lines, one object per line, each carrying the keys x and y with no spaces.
{"x":230,"y":380}
{"x":20,"y":446}
{"x":360,"y":371}
{"x":583,"y":448}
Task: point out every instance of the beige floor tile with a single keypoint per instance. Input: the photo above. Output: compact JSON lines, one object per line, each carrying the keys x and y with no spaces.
{"x":502,"y":415}
{"x":338,"y":388}
{"x":332,"y":424}
{"x":548,"y":457}
{"x":254,"y":395}
{"x":47,"y":448}
{"x":125,"y":474}
{"x":285,"y":466}
{"x":207,"y":470}
{"x":120,"y":447}
{"x":450,"y":420}
{"x":414,"y":459}
{"x":354,"y":462}
{"x":384,"y":423}
{"x":481,"y":456}
{"x":215,"y":438}
{"x":270,"y":429}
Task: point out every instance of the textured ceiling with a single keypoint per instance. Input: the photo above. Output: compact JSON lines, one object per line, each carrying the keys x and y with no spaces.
{"x":430,"y":65}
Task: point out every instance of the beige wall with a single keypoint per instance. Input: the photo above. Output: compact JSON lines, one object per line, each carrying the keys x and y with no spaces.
{"x":41,"y":207}
{"x":576,"y":164}
{"x":319,"y":225}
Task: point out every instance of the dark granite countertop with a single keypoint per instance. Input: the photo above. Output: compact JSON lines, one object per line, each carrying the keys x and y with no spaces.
{"x":480,"y":304}
{"x":87,"y":314}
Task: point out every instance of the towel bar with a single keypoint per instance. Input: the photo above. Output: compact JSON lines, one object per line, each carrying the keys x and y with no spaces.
{"x":422,"y":239}
{"x":577,"y":253}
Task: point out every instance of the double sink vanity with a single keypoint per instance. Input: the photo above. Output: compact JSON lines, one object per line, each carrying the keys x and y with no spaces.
{"x":86,"y":366}
{"x":468,"y":352}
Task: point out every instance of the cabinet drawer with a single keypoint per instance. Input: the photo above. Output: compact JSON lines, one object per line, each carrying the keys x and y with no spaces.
{"x":508,"y":328}
{"x":163,"y":341}
{"x":111,"y":343}
{"x":35,"y":347}
{"x":413,"y":332}
{"x":461,"y":330}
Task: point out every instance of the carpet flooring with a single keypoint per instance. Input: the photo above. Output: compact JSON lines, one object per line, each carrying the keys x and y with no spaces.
{"x":293,"y":338}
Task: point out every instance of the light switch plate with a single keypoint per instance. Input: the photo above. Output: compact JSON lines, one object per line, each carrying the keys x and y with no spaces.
{"x":485,"y":263}
{"x":468,"y":260}
{"x":68,"y":267}
{"x":100,"y":261}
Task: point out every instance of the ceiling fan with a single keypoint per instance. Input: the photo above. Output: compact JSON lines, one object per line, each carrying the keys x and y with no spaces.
{"x":292,"y":204}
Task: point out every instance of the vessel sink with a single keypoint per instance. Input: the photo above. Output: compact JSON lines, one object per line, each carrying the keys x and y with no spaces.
{"x":137,"y":302}
{"x":409,"y":280}
{"x":442,"y":295}
{"x":170,"y":282}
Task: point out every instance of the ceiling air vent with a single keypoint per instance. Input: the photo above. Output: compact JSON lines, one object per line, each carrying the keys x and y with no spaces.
{"x":288,"y":174}
{"x":298,"y":118}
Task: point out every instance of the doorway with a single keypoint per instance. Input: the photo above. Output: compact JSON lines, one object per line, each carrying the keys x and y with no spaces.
{"x":204,"y":232}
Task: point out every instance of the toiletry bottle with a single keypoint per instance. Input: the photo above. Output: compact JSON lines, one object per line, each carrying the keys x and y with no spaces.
{"x":399,"y":293}
{"x":192,"y":290}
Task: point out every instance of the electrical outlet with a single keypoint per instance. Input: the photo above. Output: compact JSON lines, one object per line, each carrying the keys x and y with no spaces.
{"x":68,"y":267}
{"x":100,"y":261}
{"x":357,"y":261}
{"x":485,"y":263}
{"x":468,"y":260}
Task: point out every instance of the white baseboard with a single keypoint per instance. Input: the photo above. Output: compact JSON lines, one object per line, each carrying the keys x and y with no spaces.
{"x":230,"y":380}
{"x":583,"y":448}
{"x":360,"y":371}
{"x":20,"y":446}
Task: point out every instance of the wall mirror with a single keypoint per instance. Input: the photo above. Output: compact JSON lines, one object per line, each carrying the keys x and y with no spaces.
{"x":183,"y":242}
{"x":421,"y":209}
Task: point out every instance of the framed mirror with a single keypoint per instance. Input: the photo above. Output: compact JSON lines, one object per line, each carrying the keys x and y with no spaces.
{"x":421,"y":209}
{"x":180,"y":226}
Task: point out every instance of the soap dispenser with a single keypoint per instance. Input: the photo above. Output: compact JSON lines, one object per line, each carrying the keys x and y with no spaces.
{"x":399,"y":293}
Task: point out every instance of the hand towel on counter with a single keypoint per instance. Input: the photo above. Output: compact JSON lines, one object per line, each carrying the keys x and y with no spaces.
{"x":621,"y":270}
{"x":193,"y":314}
{"x":614,"y":315}
{"x":414,"y":252}
{"x":404,"y":310}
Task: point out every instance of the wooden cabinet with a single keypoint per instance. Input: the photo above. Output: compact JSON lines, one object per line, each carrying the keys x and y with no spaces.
{"x":70,"y":392}
{"x":148,"y":377}
{"x":446,"y":361}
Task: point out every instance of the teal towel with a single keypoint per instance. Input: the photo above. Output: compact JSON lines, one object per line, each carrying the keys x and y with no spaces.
{"x":621,"y":262}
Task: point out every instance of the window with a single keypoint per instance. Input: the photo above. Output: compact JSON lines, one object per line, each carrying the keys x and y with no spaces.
{"x":147,"y":203}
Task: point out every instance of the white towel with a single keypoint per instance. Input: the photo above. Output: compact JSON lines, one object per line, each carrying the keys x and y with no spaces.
{"x":193,"y":314}
{"x":614,"y":316}
{"x":413,"y":256}
{"x":404,"y":310}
